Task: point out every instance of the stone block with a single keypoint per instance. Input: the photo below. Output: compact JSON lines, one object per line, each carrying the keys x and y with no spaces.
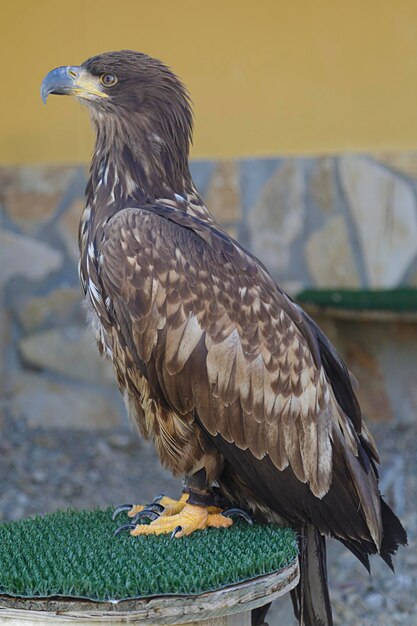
{"x":322,"y":184}
{"x":6,"y":340}
{"x":55,"y":308}
{"x":222,"y":196}
{"x":50,"y":404}
{"x":383,"y":208}
{"x":68,"y":227}
{"x":329,"y":255}
{"x":277,"y":219}
{"x":27,"y":257}
{"x":403,"y":162}
{"x":69,"y":351}
{"x":31,"y":194}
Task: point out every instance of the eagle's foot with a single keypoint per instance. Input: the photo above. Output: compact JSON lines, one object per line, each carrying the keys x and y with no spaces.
{"x":161,"y":505}
{"x":190,"y":519}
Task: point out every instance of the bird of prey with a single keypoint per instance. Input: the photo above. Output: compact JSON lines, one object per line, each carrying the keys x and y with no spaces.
{"x":239,"y":390}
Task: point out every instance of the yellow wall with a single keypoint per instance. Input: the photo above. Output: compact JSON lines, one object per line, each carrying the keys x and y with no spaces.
{"x":266,"y":76}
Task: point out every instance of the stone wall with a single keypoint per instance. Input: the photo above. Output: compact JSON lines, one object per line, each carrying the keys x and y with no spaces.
{"x":344,"y":221}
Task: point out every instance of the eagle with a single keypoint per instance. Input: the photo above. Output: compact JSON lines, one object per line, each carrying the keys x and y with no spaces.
{"x":239,"y":390}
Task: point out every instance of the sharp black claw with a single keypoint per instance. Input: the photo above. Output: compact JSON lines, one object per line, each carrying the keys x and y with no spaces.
{"x":238,"y":512}
{"x":155,"y":507}
{"x":176,"y":530}
{"x":129,"y":526}
{"x":120,"y":509}
{"x":145,"y":514}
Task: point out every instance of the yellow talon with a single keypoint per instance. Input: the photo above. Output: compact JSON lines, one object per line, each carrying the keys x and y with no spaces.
{"x":214,"y":509}
{"x":171,"y":506}
{"x":137,"y":508}
{"x":190,"y":519}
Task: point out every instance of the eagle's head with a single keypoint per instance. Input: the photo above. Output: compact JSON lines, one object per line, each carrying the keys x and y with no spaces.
{"x":136,"y":103}
{"x":120,"y":83}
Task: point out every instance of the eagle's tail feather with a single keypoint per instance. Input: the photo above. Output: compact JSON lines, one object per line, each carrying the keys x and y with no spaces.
{"x":393,"y":536}
{"x":311,"y":601}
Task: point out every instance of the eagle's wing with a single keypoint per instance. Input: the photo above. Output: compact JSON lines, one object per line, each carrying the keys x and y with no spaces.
{"x":218,"y":339}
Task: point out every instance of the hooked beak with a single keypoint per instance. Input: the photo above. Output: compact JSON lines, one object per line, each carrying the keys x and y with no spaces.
{"x":72,"y":80}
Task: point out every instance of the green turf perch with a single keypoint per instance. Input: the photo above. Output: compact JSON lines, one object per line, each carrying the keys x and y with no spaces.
{"x":69,"y":566}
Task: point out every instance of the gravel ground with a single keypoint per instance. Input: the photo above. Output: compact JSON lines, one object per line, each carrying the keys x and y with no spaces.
{"x":44,"y":470}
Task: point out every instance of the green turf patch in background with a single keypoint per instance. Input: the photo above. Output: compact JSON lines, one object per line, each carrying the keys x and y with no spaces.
{"x":75,"y":554}
{"x":402,"y":299}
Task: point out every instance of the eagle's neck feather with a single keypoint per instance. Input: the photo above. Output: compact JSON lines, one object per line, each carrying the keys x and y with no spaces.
{"x":132,"y":163}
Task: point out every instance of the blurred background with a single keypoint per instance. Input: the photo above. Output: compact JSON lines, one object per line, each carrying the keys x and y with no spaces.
{"x":305,"y":150}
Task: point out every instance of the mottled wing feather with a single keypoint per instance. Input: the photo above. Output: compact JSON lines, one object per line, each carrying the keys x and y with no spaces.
{"x":216,"y":335}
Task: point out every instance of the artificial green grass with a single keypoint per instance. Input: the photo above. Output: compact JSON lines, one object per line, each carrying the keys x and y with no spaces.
{"x":74,"y":554}
{"x":403,"y":299}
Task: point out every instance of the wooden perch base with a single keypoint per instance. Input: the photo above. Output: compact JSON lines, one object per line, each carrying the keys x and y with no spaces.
{"x":230,"y":606}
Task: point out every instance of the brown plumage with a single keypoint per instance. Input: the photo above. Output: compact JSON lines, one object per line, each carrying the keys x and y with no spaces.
{"x":228,"y":377}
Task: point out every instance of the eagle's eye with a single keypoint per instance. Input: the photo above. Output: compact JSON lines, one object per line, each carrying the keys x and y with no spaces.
{"x":108,"y":80}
